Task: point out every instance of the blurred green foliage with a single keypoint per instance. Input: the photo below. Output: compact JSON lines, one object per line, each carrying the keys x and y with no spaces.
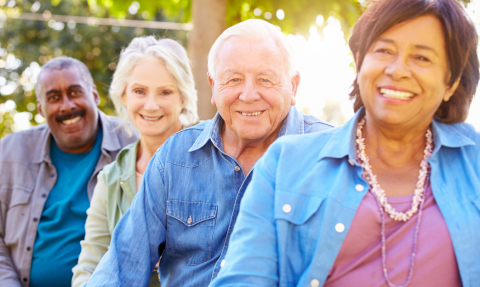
{"x":39,"y":41}
{"x":299,"y":15}
{"x":24,"y":43}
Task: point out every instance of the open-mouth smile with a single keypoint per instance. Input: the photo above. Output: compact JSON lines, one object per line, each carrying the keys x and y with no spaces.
{"x":251,"y":114}
{"x":151,"y":119}
{"x":71,"y":121}
{"x":393,"y":94}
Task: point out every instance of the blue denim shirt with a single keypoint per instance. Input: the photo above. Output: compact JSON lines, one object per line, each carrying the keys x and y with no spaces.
{"x":317,"y":176}
{"x":186,"y":207}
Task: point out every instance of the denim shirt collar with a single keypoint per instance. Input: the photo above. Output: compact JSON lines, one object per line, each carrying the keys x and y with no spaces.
{"x":110,"y":141}
{"x":292,"y":125}
{"x":342,"y":142}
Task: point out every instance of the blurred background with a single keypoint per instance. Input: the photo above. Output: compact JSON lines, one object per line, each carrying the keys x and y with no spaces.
{"x":94,"y":31}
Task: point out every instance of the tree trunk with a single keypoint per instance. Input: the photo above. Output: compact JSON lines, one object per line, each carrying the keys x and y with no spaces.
{"x":209,"y":21}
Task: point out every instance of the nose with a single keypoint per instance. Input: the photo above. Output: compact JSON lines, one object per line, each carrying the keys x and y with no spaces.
{"x":249,"y":94}
{"x":150,"y":103}
{"x":67,"y":105}
{"x":398,"y":69}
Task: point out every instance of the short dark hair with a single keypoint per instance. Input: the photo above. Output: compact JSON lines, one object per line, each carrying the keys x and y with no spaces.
{"x":460,"y":41}
{"x":60,"y":63}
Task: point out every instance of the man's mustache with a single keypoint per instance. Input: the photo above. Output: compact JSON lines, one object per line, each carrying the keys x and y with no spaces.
{"x":74,"y":114}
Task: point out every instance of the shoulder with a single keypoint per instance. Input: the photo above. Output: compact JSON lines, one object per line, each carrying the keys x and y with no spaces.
{"x":33,"y":134}
{"x":23,"y":145}
{"x":314,"y":124}
{"x":176,"y":148}
{"x":313,"y":141}
{"x":466,"y":131}
{"x":299,"y":149}
{"x":116,"y":126}
{"x":470,"y":132}
{"x":125,"y":157}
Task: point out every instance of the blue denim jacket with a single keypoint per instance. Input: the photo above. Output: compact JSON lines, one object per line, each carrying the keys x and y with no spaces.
{"x":317,"y":176}
{"x":186,"y":207}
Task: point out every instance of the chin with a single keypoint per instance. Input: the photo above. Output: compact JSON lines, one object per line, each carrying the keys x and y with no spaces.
{"x":153,"y":132}
{"x":252,"y":135}
{"x":74,"y":143}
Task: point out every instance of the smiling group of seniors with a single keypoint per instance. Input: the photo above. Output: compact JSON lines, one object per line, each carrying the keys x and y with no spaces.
{"x":261,"y":195}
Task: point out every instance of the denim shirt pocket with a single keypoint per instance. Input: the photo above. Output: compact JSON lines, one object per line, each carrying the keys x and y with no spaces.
{"x":190,"y":230}
{"x":295,"y":208}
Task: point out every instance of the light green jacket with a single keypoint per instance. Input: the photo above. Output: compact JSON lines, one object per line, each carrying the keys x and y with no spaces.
{"x":112,"y":197}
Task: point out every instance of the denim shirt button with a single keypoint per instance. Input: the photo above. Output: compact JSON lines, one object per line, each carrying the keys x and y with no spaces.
{"x":339,"y":227}
{"x":237,"y":168}
{"x":359,"y":188}
{"x":287,"y":208}
{"x":222,"y":263}
{"x":314,"y":283}
{"x":350,"y":162}
{"x":189,"y":220}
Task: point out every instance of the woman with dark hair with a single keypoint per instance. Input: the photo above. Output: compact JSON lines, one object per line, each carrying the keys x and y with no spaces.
{"x":392,"y":198}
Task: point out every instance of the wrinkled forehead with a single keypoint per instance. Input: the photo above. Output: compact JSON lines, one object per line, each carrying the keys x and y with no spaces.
{"x":59,"y":79}
{"x":246,"y":55}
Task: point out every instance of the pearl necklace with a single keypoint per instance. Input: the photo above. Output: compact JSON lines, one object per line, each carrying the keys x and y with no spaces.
{"x":379,"y":192}
{"x":372,"y":181}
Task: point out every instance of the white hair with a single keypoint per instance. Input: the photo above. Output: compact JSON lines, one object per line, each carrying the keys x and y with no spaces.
{"x":258,"y":30}
{"x":175,"y":58}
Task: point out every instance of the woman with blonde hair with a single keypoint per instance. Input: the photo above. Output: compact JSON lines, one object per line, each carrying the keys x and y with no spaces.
{"x":154,"y":92}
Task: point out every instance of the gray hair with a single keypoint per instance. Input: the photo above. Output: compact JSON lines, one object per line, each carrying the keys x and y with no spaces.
{"x":60,"y":63}
{"x":175,"y":58}
{"x":254,"y":29}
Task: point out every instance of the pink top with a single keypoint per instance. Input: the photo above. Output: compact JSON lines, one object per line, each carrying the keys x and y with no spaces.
{"x":139,"y":179}
{"x":359,"y":262}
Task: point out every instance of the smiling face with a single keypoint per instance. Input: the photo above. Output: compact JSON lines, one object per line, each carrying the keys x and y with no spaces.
{"x":404,"y":75}
{"x":70,"y":107}
{"x":153,"y":100}
{"x":251,"y":88}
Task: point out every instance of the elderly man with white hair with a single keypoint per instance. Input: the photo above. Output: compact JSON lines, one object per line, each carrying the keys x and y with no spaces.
{"x":190,"y":195}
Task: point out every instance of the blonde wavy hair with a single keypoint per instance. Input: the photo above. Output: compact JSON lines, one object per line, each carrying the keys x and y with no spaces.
{"x":175,"y":58}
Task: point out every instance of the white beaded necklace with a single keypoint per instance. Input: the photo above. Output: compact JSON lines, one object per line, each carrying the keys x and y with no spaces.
{"x":379,"y":192}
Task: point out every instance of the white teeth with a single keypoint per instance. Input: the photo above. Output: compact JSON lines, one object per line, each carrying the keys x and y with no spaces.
{"x":151,"y":118}
{"x":396,"y":94}
{"x":71,"y":121}
{"x":252,"y":114}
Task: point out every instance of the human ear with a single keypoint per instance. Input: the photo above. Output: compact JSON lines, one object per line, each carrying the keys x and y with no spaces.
{"x":451,"y":90}
{"x":96,"y":96}
{"x":40,"y":109}
{"x":211,"y":82}
{"x":295,"y":84}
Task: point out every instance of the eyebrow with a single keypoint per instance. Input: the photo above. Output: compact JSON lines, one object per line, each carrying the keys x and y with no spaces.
{"x":51,"y":92}
{"x":423,"y":47}
{"x":268,"y":73}
{"x":170,"y":86}
{"x":229,"y":72}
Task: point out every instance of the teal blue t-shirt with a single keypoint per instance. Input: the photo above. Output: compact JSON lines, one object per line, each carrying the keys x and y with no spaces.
{"x":62,"y":224}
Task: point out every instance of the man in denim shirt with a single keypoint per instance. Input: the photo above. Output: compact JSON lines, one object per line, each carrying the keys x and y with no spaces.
{"x":189,"y":199}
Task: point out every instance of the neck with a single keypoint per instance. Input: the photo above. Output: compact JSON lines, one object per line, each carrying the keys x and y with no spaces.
{"x":246,"y":151}
{"x":394,"y":146}
{"x":149,"y":145}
